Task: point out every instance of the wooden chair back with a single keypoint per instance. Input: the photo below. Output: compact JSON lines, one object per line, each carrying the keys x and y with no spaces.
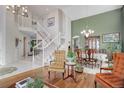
{"x":90,"y":53}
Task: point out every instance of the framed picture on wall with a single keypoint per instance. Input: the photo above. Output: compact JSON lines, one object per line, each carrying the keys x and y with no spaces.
{"x":111,"y":37}
{"x":51,"y":21}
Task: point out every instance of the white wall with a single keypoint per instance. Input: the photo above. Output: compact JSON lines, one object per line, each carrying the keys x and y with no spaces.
{"x":62,"y":25}
{"x":81,"y":11}
{"x":65,"y":29}
{"x":2,"y":34}
{"x":9,"y":31}
{"x":53,"y":30}
{"x":12,"y":32}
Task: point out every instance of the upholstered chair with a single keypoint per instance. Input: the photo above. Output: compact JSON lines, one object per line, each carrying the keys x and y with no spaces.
{"x":114,"y":79}
{"x":58,"y":64}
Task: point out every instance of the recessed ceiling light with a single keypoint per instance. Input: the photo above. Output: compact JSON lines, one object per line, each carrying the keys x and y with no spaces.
{"x":26,"y":10}
{"x":13,"y":11}
{"x":23,"y":8}
{"x":7,"y":7}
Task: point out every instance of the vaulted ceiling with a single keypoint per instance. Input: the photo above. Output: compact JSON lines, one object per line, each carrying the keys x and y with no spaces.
{"x":74,"y":12}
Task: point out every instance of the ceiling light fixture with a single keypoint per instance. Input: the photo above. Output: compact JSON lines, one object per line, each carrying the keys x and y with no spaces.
{"x":87,"y":31}
{"x":7,"y":7}
{"x":18,"y":10}
{"x":13,"y":11}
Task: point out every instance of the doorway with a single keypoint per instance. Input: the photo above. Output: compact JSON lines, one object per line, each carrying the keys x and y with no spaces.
{"x":76,"y":43}
{"x":92,"y":42}
{"x":24,"y":46}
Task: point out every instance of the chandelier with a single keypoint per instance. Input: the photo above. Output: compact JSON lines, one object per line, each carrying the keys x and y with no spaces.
{"x":87,"y":32}
{"x":18,"y":10}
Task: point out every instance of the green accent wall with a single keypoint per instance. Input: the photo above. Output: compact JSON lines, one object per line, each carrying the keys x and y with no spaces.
{"x":123,"y":29}
{"x":103,"y":23}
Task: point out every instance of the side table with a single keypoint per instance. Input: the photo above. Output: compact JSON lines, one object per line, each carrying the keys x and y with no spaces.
{"x":71,"y":65}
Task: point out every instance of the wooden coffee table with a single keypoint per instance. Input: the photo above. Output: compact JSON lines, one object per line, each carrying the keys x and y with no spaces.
{"x":71,"y":65}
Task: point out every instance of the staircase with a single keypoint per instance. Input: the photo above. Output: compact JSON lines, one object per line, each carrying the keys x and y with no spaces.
{"x":46,"y":47}
{"x":46,"y":50}
{"x":42,"y":52}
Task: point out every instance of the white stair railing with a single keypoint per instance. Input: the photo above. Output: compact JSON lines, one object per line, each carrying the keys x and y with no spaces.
{"x":34,"y":50}
{"x":47,"y":40}
{"x":47,"y":48}
{"x":28,"y":22}
{"x":57,"y":37}
{"x":39,"y":45}
{"x":43,"y":32}
{"x":43,"y":28}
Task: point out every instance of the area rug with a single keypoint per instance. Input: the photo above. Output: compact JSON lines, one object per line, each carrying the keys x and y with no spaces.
{"x":91,"y":71}
{"x":94,"y":70}
{"x":7,"y":70}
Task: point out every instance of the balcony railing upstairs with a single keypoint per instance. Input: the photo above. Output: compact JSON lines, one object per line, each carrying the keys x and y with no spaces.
{"x":27,"y":23}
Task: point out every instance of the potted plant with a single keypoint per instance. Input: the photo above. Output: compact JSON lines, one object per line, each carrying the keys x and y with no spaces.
{"x":37,"y":83}
{"x":33,"y":43}
{"x":70,"y":55}
{"x":79,"y":68}
{"x":78,"y":61}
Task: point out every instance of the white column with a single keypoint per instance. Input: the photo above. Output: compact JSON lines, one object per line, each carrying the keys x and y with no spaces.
{"x":43,"y":52}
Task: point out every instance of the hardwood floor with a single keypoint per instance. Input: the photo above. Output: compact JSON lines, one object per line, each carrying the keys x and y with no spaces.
{"x":83,"y":80}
